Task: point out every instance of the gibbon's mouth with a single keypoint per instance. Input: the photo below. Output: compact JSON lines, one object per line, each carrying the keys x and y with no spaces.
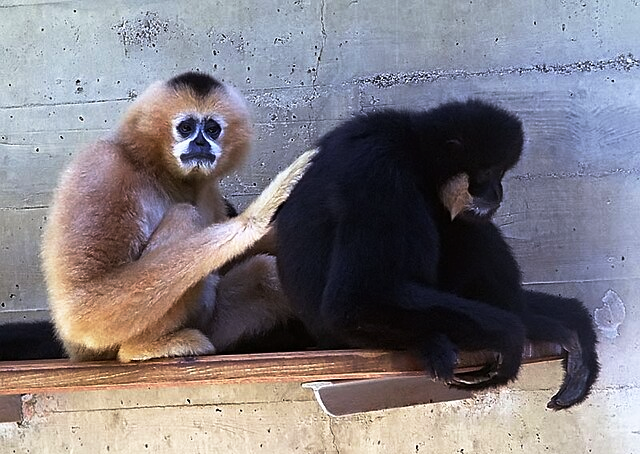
{"x":198,"y":158}
{"x":478,"y":211}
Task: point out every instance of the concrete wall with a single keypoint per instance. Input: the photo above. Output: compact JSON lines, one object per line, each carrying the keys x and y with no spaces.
{"x":570,"y":69}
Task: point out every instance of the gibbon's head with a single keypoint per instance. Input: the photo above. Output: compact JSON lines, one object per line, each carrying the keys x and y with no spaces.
{"x":481,"y":142}
{"x":191,"y":125}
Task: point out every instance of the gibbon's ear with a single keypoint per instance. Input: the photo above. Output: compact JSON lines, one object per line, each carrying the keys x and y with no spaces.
{"x":455,"y":196}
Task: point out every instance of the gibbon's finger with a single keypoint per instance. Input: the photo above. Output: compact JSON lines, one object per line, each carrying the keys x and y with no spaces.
{"x":455,"y":195}
{"x":480,"y":377}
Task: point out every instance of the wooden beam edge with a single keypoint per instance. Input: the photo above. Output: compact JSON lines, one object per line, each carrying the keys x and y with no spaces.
{"x":21,"y":377}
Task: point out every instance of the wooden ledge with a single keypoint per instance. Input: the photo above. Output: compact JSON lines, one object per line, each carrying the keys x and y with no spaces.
{"x":23,"y":377}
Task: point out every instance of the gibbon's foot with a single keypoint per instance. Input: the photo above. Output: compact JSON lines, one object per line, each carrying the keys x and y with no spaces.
{"x":480,"y":378}
{"x":265,"y":206}
{"x":186,"y":342}
{"x":440,"y":356}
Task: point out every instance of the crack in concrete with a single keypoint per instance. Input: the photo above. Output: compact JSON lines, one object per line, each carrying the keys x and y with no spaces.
{"x":323,"y":31}
{"x":624,"y":62}
{"x":333,"y":436}
{"x":578,"y":174}
{"x":132,"y":96}
{"x":23,"y":208}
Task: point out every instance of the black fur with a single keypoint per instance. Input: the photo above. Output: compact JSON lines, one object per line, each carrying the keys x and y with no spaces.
{"x":232,"y":212}
{"x":288,"y":336}
{"x":200,"y":83}
{"x":369,"y":256}
{"x":22,"y":341}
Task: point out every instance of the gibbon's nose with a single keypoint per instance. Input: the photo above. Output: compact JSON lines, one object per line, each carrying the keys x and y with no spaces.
{"x":200,"y":141}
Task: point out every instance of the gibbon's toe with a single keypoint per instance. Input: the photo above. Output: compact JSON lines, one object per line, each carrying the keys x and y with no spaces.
{"x":186,"y":342}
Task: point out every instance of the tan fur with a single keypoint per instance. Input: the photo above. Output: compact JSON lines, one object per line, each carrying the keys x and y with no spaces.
{"x":132,"y":244}
{"x":261,"y":297}
{"x":455,"y":196}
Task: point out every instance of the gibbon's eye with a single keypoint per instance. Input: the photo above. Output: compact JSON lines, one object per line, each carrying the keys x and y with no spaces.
{"x":185,"y":127}
{"x":212,"y":128}
{"x":484,"y":176}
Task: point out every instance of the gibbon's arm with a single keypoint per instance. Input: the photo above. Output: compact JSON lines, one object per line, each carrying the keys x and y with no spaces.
{"x":383,"y":305}
{"x":265,"y":245}
{"x":145,"y":289}
{"x":478,"y":264}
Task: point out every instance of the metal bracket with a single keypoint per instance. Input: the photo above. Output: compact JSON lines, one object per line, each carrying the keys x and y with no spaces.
{"x":341,"y":398}
{"x":11,"y":408}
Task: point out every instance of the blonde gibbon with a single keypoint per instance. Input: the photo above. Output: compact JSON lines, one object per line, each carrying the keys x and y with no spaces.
{"x":139,"y":230}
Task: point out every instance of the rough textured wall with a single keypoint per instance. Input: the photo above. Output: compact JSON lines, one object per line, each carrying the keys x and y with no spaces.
{"x":570,"y":69}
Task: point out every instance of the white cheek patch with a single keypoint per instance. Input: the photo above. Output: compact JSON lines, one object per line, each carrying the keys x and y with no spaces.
{"x":181,"y":144}
{"x":216,"y":150}
{"x":180,"y":148}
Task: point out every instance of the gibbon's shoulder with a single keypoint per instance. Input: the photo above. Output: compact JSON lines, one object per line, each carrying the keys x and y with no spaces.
{"x":97,"y":167}
{"x":368,"y":147}
{"x":379,"y":125}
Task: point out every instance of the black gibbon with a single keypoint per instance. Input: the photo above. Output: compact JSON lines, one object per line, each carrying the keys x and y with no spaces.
{"x":138,"y":230}
{"x":386,"y":242}
{"x":29,"y":340}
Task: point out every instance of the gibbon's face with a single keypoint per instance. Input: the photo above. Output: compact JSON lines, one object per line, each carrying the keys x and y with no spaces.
{"x":475,"y":198}
{"x":480,"y":142}
{"x":191,"y":125}
{"x":197,"y":141}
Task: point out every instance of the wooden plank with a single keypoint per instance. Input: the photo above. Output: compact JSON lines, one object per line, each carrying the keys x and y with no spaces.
{"x":18,"y":377}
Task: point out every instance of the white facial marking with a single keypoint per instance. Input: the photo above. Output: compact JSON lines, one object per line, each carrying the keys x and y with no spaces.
{"x":480,"y":210}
